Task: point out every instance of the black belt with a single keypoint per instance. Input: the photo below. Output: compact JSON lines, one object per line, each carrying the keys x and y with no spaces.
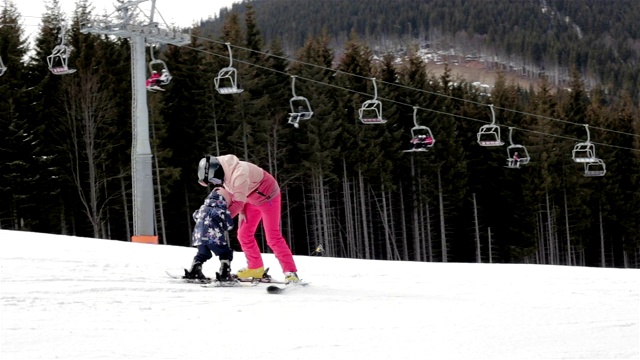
{"x":259,"y":193}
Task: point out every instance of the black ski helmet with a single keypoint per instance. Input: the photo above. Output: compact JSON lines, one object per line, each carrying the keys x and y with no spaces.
{"x":210,"y":171}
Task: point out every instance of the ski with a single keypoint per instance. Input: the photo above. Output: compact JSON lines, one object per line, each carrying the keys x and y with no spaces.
{"x":274,"y":289}
{"x":214,"y":284}
{"x":210,"y":283}
{"x":261,"y":281}
{"x":189,"y":281}
{"x":279,"y":287}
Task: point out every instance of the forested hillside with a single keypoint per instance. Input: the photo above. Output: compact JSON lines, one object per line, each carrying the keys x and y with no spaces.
{"x":533,"y":37}
{"x":347,"y":185}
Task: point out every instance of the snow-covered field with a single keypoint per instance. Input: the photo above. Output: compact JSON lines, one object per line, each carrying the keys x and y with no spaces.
{"x":78,"y":298}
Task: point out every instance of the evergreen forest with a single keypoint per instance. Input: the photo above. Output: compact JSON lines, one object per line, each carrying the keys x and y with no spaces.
{"x":533,"y":37}
{"x":348,"y":186}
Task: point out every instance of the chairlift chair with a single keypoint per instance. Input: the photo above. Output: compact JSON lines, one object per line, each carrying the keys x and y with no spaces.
{"x":3,"y":68}
{"x":59,"y":58}
{"x":155,"y":83}
{"x":421,"y":137}
{"x":585,"y":152}
{"x":300,"y":107}
{"x":165,"y":75}
{"x":58,"y":61}
{"x":371,"y":110}
{"x":516,"y":154}
{"x":595,"y":168}
{"x":489,"y":135}
{"x":228,"y":76}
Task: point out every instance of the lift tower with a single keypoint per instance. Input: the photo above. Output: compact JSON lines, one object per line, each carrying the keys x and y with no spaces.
{"x":129,"y":20}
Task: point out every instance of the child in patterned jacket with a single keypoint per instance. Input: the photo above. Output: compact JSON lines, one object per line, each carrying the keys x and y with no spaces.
{"x":212,"y":219}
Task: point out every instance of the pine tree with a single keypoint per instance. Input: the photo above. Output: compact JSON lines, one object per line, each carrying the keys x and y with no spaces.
{"x":450,"y":172}
{"x":233,"y":105}
{"x":573,"y":107}
{"x":620,"y":184}
{"x":18,"y":169}
{"x":360,"y":145}
{"x":313,"y":148}
{"x":191,"y":136}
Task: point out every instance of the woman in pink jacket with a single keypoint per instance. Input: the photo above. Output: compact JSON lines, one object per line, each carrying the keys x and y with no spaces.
{"x":256,"y":196}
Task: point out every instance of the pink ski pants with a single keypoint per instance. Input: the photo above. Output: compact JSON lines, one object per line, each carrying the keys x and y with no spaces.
{"x":270,"y":213}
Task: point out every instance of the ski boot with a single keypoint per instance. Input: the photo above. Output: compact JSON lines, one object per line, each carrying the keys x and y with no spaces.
{"x":195,"y":273}
{"x":291,"y":278}
{"x":253,"y":275}
{"x":224,"y":275}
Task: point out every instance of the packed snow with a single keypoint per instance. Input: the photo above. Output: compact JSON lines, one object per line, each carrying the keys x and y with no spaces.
{"x":80,"y":298}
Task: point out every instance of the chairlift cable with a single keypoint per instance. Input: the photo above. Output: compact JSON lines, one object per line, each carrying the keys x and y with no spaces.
{"x":388,"y":83}
{"x":414,"y":89}
{"x":399,"y":102}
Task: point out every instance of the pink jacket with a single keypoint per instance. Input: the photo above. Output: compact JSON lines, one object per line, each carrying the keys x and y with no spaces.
{"x":152,"y":79}
{"x":247,"y":182}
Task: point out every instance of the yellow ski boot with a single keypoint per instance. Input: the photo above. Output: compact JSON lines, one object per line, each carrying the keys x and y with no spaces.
{"x":249,"y":274}
{"x":291,"y":277}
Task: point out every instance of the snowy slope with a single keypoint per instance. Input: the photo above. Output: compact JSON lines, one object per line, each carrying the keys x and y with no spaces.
{"x":77,"y":298}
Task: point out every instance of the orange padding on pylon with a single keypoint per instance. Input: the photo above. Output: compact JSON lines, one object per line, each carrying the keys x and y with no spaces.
{"x":146,"y":239}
